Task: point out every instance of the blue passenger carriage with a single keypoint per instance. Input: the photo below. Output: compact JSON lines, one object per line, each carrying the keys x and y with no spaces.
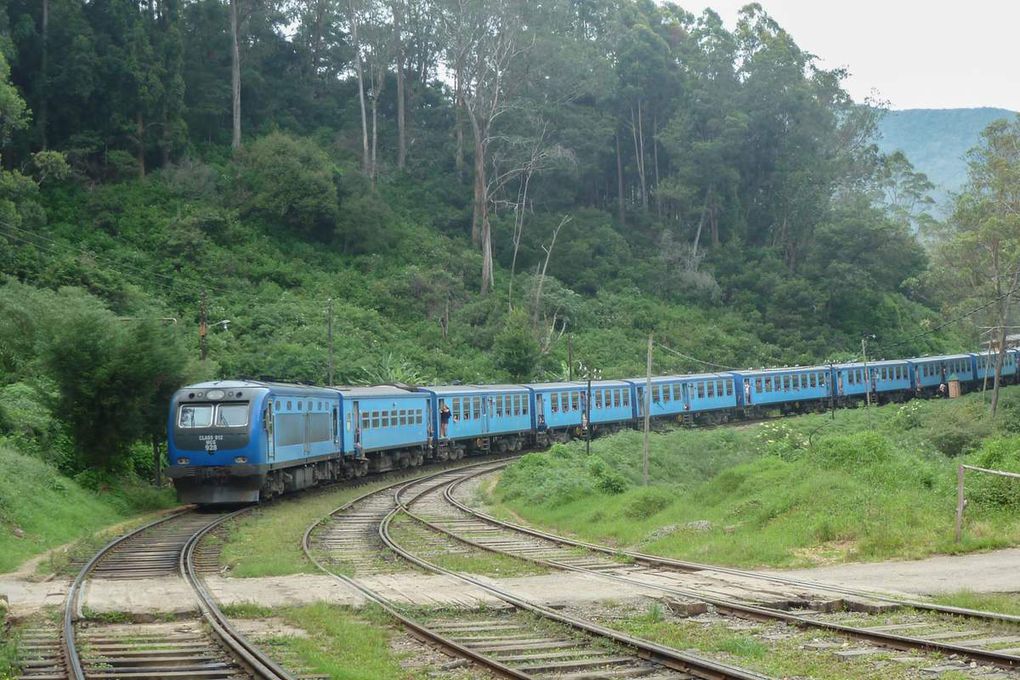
{"x":241,"y":441}
{"x":384,"y":427}
{"x":984,"y":365}
{"x":479,"y":417}
{"x":886,"y":377}
{"x":930,"y":372}
{"x":559,"y":407}
{"x":782,"y":386}
{"x":611,"y":402}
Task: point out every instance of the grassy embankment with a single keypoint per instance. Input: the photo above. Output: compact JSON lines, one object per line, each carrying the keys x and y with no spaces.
{"x":870,"y":484}
{"x":41,"y":509}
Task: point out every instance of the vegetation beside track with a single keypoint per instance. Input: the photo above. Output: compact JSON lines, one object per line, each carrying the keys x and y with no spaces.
{"x":8,"y":646}
{"x":340,"y":643}
{"x":779,"y":655}
{"x":1003,"y":603}
{"x":867,"y":484}
{"x":41,"y":509}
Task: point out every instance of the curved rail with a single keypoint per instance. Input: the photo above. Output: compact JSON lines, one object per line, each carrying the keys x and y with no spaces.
{"x":887,"y":639}
{"x":683,"y":565}
{"x":665,"y":656}
{"x":72,"y":604}
{"x":253,"y":660}
{"x":419,"y":629}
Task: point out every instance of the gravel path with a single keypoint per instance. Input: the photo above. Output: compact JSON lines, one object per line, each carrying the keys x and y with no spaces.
{"x":991,"y":572}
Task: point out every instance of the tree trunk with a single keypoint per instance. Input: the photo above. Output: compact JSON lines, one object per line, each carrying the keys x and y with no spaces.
{"x":639,"y":153}
{"x":401,"y":112}
{"x":1001,"y":355}
{"x":621,"y":214}
{"x":359,"y":70}
{"x":235,"y":75}
{"x":655,"y":155}
{"x":44,"y":73}
{"x":157,"y":463}
{"x":458,"y":107}
{"x":480,"y":190}
{"x":375,"y":137}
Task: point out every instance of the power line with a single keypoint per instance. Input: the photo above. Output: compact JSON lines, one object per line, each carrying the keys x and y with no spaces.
{"x":953,"y":320}
{"x":696,"y":360}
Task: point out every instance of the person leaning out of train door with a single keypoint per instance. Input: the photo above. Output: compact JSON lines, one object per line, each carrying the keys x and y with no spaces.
{"x":444,"y":419}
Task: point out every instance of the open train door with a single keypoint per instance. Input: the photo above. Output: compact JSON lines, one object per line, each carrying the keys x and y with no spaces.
{"x":356,"y":412}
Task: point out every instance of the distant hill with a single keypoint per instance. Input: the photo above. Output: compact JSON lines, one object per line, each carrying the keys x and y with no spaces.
{"x":937,"y":140}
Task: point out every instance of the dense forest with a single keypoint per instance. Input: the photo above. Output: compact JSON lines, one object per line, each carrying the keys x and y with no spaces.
{"x":466,"y":189}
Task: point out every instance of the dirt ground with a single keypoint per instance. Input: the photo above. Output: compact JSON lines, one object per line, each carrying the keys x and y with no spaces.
{"x":997,"y":571}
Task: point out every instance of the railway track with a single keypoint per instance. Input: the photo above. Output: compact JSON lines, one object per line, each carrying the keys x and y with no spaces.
{"x":986,"y":638}
{"x":514,"y":638}
{"x":208,"y":647}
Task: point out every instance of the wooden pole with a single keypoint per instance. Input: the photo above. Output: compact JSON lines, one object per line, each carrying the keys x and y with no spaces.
{"x":960,"y":503}
{"x":570,"y":358}
{"x":203,"y":328}
{"x":867,"y":374}
{"x":329,"y":335}
{"x":648,"y":411}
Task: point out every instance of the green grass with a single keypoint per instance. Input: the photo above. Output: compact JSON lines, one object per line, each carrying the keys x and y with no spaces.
{"x":868,"y":484}
{"x":49,"y":510}
{"x":8,"y":646}
{"x":1003,"y":603}
{"x":342,"y":643}
{"x":782,"y":657}
{"x":281,"y":525}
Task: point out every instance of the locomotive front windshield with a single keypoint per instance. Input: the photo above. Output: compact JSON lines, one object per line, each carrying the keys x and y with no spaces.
{"x":232,"y":415}
{"x":195,"y":416}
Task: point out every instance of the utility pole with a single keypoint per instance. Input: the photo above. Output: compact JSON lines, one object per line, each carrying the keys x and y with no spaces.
{"x":587,"y":417}
{"x":329,"y":336}
{"x":833,"y":386}
{"x":203,"y":328}
{"x":867,"y":373}
{"x":570,"y":358}
{"x":648,"y":409}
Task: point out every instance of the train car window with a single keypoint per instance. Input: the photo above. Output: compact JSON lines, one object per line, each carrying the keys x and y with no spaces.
{"x":384,"y":419}
{"x":626,"y":397}
{"x":701,"y":390}
{"x":476,"y":406}
{"x":718,"y":388}
{"x":757,"y":385}
{"x":289,"y":406}
{"x":711,"y":389}
{"x":667,"y":393}
{"x":418,"y":417}
{"x":195,"y":415}
{"x":575,"y":400}
{"x":319,"y":427}
{"x":402,"y":417}
{"x":276,"y":406}
{"x":812,"y":380}
{"x":366,"y":420}
{"x":656,"y":393}
{"x":455,"y":407}
{"x":524,"y":404}
{"x":375,"y":419}
{"x":349,"y":422}
{"x":729,"y":388}
{"x":232,"y":415}
{"x":299,"y":405}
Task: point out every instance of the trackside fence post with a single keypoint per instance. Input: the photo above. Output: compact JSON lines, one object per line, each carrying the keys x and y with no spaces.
{"x":961,"y":502}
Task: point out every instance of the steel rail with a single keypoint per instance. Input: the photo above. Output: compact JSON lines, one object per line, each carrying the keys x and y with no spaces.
{"x":683,"y":565}
{"x":72,"y":604}
{"x":254,"y":659}
{"x":895,"y":641}
{"x":420,"y":630}
{"x":664,"y":656}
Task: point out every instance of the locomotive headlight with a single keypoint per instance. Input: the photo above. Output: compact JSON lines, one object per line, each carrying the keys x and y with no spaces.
{"x":241,"y":459}
{"x":183,"y":461}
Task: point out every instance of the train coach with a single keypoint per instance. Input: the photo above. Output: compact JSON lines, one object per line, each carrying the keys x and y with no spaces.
{"x":239,"y":441}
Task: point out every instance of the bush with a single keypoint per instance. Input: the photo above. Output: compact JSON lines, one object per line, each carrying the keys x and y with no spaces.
{"x":607,"y":480}
{"x":993,"y":491}
{"x":290,"y":181}
{"x":958,"y":431}
{"x":646,"y":502}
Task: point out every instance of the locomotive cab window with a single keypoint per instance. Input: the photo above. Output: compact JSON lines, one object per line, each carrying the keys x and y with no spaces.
{"x":195,"y":415}
{"x":231,"y":415}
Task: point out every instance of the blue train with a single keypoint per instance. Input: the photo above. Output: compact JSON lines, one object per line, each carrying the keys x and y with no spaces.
{"x":239,"y":441}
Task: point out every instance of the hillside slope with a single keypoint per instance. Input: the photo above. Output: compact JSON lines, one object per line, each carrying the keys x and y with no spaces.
{"x":937,"y":141}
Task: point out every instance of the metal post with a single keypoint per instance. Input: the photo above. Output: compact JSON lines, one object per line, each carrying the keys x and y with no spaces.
{"x":203,"y":327}
{"x":867,"y":374}
{"x":329,"y":336}
{"x":570,"y":358}
{"x":960,"y":503}
{"x":833,"y":385}
{"x":587,"y":405}
{"x":648,"y":409}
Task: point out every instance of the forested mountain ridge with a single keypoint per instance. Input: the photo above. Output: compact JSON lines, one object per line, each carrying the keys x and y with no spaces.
{"x":471,"y":186}
{"x":937,"y":141}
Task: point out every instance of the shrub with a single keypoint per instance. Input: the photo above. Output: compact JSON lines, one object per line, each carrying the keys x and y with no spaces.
{"x":607,"y":480}
{"x":647,"y":502}
{"x":992,"y":491}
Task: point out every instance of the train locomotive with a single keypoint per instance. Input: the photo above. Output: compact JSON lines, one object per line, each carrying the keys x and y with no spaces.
{"x":243,"y":441}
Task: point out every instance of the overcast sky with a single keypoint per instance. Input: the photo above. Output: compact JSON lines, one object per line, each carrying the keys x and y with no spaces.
{"x":911,"y":53}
